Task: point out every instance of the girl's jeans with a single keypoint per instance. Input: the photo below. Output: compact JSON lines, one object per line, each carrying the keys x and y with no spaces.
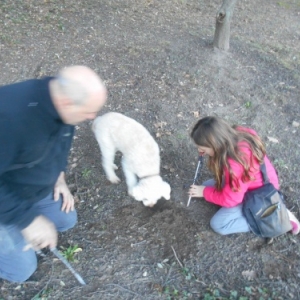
{"x":228,"y":220}
{"x":17,"y":265}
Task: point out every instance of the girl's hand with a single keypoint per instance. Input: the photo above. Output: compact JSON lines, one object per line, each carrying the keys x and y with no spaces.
{"x":196,"y":191}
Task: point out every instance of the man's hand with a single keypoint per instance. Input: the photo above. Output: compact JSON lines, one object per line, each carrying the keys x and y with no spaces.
{"x":62,"y":188}
{"x":196,"y":190}
{"x":40,"y":233}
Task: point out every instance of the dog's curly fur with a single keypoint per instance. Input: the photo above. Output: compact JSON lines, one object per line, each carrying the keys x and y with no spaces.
{"x":140,"y":162}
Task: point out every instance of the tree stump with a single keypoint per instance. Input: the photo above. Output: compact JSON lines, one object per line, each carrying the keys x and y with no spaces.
{"x":222,"y":32}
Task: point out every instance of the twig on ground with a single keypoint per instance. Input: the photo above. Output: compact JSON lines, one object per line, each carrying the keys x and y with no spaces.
{"x":282,"y":256}
{"x":125,"y":289}
{"x":46,"y":285}
{"x":181,"y":265}
{"x":168,"y":275}
{"x":88,"y":296}
{"x":197,"y":280}
{"x":82,"y":193}
{"x":139,"y":243}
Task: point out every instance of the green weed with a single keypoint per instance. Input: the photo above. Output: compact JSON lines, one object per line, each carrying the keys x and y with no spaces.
{"x":181,"y":136}
{"x":69,"y":253}
{"x":172,"y":294}
{"x":250,"y":293}
{"x":43,"y":295}
{"x":248,"y":104}
{"x":186,"y":272}
{"x":86,"y":173}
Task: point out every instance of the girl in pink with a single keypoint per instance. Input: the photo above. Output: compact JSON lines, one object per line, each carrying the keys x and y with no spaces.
{"x":235,"y":154}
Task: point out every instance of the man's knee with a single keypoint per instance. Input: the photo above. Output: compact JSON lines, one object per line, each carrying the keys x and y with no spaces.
{"x":18,"y":268}
{"x":67,"y":222}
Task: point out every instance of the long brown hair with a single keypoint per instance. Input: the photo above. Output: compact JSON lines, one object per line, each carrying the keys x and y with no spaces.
{"x":215,"y":133}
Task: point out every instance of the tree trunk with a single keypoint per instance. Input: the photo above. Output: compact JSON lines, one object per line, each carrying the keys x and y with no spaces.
{"x":222,"y":32}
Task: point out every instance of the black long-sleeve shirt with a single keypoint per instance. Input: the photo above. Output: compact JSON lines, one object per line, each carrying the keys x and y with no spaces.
{"x":34,"y":147}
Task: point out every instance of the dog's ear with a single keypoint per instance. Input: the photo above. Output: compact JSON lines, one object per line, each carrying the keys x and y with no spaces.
{"x":166,"y":191}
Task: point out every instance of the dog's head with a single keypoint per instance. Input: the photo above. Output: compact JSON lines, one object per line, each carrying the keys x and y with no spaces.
{"x":150,"y":190}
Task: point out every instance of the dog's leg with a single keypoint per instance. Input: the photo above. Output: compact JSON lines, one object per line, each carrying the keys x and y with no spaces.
{"x":108,"y":155}
{"x":131,"y":179}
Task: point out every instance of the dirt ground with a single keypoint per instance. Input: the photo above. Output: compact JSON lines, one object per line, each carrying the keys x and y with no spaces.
{"x":157,"y":60}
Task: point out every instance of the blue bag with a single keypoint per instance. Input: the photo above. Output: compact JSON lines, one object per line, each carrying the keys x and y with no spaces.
{"x":265,"y":210}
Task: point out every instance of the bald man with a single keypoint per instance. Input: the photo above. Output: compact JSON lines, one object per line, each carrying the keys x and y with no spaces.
{"x":37,"y":119}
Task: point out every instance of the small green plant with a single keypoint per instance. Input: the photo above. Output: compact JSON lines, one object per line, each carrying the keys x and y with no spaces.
{"x":69,"y":253}
{"x":248,"y":104}
{"x":61,"y":27}
{"x":181,"y":136}
{"x":186,"y":272}
{"x":173,"y":293}
{"x":86,"y":173}
{"x":212,"y":295}
{"x":250,"y":292}
{"x":42,"y":295}
{"x":283,"y":4}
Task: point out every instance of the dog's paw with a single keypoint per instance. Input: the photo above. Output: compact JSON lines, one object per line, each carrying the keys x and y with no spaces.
{"x":114,"y":179}
{"x":130,"y":192}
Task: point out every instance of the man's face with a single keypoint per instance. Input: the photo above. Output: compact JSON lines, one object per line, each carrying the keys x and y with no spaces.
{"x":74,"y":114}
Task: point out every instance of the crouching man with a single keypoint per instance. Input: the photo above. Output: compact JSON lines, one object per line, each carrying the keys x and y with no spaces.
{"x":37,"y":119}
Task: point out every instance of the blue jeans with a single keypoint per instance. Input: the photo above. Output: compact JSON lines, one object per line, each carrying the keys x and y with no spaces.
{"x":228,"y":220}
{"x":17,"y":265}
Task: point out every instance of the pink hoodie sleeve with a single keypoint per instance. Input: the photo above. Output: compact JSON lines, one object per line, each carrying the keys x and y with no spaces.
{"x":227,"y":197}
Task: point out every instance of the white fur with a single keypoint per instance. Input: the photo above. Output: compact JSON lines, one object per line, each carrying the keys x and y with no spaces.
{"x":116,"y":132}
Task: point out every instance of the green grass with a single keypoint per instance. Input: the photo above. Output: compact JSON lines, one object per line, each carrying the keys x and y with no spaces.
{"x":43,"y":295}
{"x":70,"y":252}
{"x":172,"y":293}
{"x":86,"y":173}
{"x":288,"y":5}
{"x":248,"y":104}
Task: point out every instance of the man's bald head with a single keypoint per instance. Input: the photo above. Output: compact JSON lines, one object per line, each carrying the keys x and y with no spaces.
{"x":78,"y":94}
{"x":77,"y":82}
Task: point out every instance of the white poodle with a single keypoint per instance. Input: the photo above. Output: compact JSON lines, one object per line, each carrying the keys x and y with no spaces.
{"x":140,"y":161}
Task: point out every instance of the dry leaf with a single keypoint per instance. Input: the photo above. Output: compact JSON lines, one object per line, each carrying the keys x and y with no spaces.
{"x":160,"y":124}
{"x":273,"y":140}
{"x":62,"y":283}
{"x":78,"y":250}
{"x":196,"y":114}
{"x":249,"y":275}
{"x":295,"y":124}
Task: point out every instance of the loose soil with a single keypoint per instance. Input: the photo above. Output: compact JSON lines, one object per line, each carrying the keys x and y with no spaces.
{"x":157,"y":60}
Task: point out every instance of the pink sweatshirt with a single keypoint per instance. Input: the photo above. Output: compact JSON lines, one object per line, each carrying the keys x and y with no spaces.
{"x":229,"y":198}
